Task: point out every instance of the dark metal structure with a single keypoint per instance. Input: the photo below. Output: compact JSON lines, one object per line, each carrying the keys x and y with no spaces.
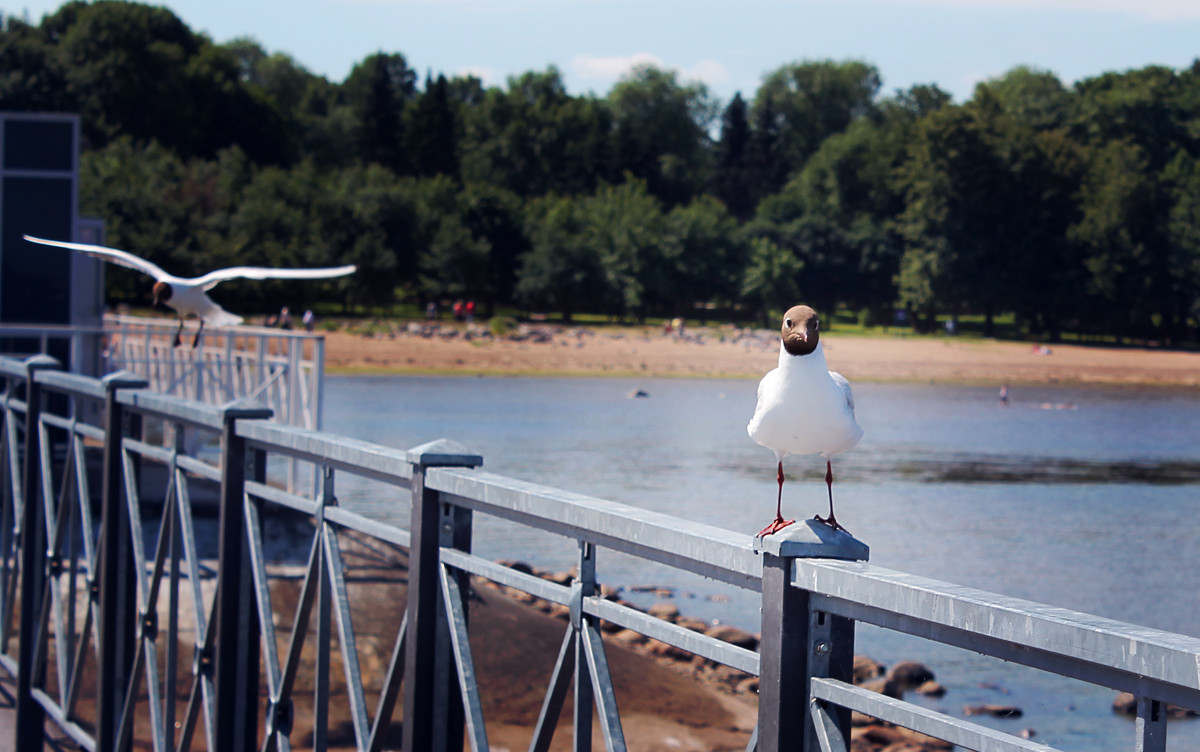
{"x":110,"y":592}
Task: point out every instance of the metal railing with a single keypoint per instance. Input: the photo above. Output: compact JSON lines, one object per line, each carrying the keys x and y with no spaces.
{"x":129,"y":597}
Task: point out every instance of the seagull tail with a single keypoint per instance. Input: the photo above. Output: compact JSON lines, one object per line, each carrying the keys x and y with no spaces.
{"x":221,"y":317}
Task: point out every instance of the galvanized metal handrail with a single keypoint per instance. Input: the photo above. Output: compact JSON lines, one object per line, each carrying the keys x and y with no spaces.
{"x":93,"y":594}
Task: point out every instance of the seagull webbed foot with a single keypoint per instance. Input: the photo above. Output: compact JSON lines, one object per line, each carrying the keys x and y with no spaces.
{"x":832,"y":522}
{"x":774,"y":527}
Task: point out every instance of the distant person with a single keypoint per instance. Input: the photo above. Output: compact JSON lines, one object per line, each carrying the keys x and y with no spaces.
{"x":457,"y":310}
{"x":285,"y":318}
{"x":1004,"y":394}
{"x":431,"y":311}
{"x":309,"y":320}
{"x":470,"y":309}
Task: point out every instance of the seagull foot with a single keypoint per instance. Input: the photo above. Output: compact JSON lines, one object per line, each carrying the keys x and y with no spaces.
{"x":774,"y":527}
{"x":832,"y":522}
{"x":177,"y":341}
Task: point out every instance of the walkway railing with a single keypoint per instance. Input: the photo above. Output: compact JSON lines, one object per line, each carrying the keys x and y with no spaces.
{"x":115,"y":614}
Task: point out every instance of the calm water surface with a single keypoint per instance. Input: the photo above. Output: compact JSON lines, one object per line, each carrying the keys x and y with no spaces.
{"x":1086,"y":498}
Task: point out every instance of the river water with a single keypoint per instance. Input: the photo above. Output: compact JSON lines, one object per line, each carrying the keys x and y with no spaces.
{"x":1083,"y":497}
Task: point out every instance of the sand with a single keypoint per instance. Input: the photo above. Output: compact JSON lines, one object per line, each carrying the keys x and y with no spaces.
{"x":726,"y":352}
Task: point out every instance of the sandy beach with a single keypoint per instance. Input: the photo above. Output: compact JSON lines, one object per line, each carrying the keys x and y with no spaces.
{"x":730,"y":353}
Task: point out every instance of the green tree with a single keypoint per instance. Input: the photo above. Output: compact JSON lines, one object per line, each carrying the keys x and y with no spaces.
{"x":806,"y":102}
{"x":378,"y":90}
{"x":430,"y":132}
{"x":561,"y":271}
{"x":770,"y":282}
{"x":661,"y":132}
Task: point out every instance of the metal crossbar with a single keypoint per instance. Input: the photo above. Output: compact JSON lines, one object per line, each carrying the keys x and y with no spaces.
{"x":90,"y":599}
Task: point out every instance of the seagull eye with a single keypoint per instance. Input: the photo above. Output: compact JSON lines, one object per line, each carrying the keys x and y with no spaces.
{"x":787,"y":323}
{"x":816,"y":323}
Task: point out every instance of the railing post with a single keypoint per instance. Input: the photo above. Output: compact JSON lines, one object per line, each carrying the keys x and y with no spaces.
{"x":236,"y":664}
{"x":798,"y":643}
{"x":433,"y":718}
{"x":30,"y":715}
{"x":117,"y":583}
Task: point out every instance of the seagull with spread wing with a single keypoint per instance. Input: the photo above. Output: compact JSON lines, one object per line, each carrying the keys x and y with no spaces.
{"x":187,"y":296}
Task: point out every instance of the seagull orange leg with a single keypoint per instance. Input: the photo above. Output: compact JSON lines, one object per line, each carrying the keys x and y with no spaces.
{"x":779,"y":522}
{"x":196,"y":341}
{"x":830,"y":520}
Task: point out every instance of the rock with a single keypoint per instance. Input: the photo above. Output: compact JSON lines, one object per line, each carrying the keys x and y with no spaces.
{"x":1126,"y":704}
{"x":910,"y":674}
{"x":664,"y":650}
{"x":630,"y":637}
{"x":931,"y":689}
{"x":665,"y":611}
{"x":866,"y":668}
{"x":996,"y":711}
{"x":748,"y":686}
{"x":733,"y":635}
{"x":520,"y":566}
{"x":696,"y":625}
{"x":884,"y":686}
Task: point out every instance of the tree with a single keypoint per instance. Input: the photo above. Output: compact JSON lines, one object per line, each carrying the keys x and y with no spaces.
{"x":809,"y":101}
{"x":661,"y":132}
{"x":430,"y":133}
{"x":377,"y":91}
{"x":561,"y":271}
{"x":770,"y":281}
{"x":733,"y":181}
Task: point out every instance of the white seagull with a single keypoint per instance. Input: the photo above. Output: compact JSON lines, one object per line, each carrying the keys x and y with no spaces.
{"x":803,"y":407}
{"x":187,"y":296}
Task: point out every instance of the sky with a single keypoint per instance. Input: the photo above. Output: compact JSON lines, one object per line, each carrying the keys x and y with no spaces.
{"x":729,"y":45}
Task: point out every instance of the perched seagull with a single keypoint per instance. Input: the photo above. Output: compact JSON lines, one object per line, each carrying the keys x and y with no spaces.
{"x":187,"y":296}
{"x":803,"y":407}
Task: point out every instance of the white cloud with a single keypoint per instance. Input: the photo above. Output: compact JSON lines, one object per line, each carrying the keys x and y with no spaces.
{"x":1150,"y":10}
{"x":595,"y":68}
{"x":609,"y":69}
{"x":489,"y":76}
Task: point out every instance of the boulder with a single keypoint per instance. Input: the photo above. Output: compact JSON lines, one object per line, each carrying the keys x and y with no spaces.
{"x":996,"y":711}
{"x":1126,"y":704}
{"x":909,"y":674}
{"x":866,"y":668}
{"x":931,"y":689}
{"x":665,"y":611}
{"x":733,"y":635}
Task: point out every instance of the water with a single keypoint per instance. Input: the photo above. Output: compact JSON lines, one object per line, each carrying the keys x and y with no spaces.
{"x":1084,"y":498}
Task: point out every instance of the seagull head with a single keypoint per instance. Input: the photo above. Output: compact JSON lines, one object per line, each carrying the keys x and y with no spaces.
{"x":800,"y":331}
{"x":162,"y":293}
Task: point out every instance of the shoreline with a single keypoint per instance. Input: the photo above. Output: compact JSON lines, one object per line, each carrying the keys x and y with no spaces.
{"x":442,"y":349}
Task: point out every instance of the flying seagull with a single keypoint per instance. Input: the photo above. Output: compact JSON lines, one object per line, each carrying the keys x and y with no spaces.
{"x":187,"y":296}
{"x":803,"y":407}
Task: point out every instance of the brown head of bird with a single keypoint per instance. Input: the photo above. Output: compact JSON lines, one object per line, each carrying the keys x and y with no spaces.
{"x":162,"y":292}
{"x":800,"y":330}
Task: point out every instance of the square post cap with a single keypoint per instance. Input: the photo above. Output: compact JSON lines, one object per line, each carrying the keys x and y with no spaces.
{"x":811,"y":539}
{"x":443,"y":453}
{"x":123,"y":380}
{"x":41,"y":362}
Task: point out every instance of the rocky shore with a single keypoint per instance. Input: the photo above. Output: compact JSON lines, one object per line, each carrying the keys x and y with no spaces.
{"x":386,"y":346}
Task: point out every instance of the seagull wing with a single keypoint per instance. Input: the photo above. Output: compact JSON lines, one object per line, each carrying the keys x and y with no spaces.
{"x":112,"y":255}
{"x":844,"y":385}
{"x":212,"y":279}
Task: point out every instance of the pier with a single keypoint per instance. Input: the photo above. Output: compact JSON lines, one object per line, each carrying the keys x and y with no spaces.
{"x":111,"y":615}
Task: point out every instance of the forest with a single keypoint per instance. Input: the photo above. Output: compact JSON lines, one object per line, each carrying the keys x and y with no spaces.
{"x":1066,"y":210}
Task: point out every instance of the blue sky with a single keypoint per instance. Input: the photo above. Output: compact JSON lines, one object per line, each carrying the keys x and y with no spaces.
{"x":728,"y":45}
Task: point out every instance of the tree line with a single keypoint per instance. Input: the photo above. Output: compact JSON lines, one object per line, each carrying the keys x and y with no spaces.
{"x":1070,"y":208}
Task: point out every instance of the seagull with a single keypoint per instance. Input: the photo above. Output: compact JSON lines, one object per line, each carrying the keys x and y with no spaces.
{"x":803,"y":407}
{"x":187,"y":296}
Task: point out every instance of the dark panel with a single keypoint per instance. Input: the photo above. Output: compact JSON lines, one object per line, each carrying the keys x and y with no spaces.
{"x":38,"y":144}
{"x":35,"y":279}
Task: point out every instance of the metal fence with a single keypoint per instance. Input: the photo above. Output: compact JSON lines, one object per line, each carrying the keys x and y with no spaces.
{"x":108,"y":606}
